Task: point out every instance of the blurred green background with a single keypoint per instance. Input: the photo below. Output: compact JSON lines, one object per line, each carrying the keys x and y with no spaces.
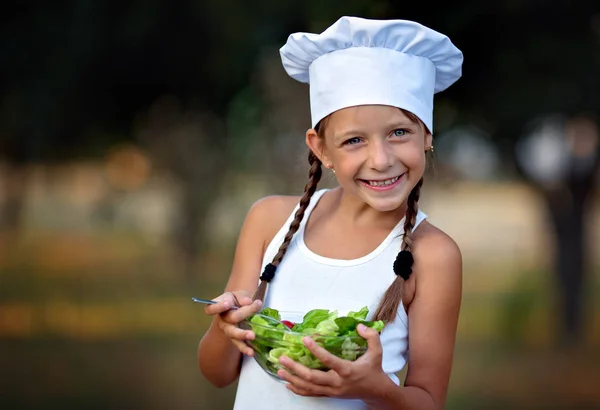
{"x":135,"y":135}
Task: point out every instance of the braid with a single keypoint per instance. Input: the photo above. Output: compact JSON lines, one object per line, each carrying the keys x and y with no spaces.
{"x":314,"y":175}
{"x":388,"y":307}
{"x":411,"y":216}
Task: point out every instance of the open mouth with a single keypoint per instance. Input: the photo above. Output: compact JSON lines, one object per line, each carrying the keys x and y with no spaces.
{"x":385,"y":182}
{"x":381,"y":183}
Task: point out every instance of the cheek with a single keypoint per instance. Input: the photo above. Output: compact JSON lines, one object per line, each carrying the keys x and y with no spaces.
{"x":347,"y":162}
{"x":411,"y":155}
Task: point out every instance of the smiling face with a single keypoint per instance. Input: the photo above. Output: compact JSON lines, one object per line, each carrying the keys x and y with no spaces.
{"x":377,"y":151}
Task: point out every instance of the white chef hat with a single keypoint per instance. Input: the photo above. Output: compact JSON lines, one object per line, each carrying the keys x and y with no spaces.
{"x":359,"y":61}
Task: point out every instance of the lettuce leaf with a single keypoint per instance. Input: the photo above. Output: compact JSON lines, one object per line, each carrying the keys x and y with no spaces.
{"x":346,"y":324}
{"x":270,"y":312}
{"x":336,"y":334}
{"x":313,"y":318}
{"x":360,"y":315}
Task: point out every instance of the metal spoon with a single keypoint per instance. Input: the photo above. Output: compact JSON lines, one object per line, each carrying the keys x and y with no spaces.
{"x":212,"y":302}
{"x":209,"y":302}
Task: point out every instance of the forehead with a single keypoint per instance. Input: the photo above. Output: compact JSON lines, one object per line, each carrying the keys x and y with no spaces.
{"x":367,"y":113}
{"x":365,"y":117}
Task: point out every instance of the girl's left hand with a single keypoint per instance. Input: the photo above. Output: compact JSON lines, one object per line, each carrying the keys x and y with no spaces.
{"x":359,"y":379}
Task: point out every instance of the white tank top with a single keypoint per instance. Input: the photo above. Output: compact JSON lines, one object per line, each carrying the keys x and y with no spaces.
{"x":305,"y":281}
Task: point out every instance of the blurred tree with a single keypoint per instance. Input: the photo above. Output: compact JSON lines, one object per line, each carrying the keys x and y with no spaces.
{"x":76,"y":75}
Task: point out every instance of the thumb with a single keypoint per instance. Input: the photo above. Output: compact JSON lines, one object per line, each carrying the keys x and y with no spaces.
{"x":371,"y":336}
{"x":242,"y":297}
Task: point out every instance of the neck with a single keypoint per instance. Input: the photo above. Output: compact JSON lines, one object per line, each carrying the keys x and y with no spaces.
{"x":355,"y":211}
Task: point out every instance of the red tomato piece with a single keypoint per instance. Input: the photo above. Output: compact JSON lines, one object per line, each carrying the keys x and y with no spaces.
{"x":288,"y":323}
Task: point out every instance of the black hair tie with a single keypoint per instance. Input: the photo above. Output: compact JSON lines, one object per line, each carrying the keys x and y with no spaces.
{"x":403,"y":264}
{"x":269,"y":272}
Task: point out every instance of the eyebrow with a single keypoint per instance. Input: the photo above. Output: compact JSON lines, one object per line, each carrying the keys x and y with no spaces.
{"x":347,"y":134}
{"x":392,"y":125}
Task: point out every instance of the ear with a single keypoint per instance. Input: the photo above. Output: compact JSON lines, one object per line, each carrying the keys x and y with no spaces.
{"x":428,"y":140}
{"x":317,"y":146}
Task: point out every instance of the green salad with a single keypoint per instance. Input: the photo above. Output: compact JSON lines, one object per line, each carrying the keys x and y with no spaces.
{"x":337,"y":334}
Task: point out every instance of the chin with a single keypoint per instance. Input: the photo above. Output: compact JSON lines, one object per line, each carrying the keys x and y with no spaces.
{"x":385,"y":205}
{"x":387,"y":202}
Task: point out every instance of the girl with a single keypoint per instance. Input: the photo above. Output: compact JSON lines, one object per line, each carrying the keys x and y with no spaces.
{"x":363,"y":243}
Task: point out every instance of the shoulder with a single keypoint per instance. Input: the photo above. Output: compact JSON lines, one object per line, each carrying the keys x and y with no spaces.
{"x":432,"y":245}
{"x":270,"y":213}
{"x":438,"y":259}
{"x":274,"y":207}
{"x":264,"y":218}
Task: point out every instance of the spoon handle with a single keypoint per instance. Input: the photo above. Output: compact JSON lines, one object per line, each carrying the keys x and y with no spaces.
{"x":208,"y":302}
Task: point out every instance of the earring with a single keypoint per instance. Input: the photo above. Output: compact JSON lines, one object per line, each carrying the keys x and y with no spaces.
{"x":330,"y":166}
{"x":430,"y":149}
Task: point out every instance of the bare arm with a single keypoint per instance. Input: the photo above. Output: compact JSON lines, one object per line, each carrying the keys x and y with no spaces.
{"x":218,"y":358}
{"x":433,"y":319}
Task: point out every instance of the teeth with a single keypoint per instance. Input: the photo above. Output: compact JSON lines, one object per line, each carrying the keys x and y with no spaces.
{"x":383,"y":183}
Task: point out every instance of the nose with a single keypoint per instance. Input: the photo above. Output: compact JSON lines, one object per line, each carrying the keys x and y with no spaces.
{"x":381,"y":156}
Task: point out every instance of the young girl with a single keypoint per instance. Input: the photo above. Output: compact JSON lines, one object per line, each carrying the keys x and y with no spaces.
{"x":364,"y":243}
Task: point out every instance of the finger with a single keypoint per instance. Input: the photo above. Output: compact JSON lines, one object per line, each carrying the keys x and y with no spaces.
{"x":237,"y":315}
{"x":310,"y":375}
{"x":332,"y":362}
{"x":301,"y":392}
{"x":307,"y":388}
{"x":243,"y":347}
{"x":220,"y":307}
{"x":234,"y":332}
{"x":241,"y":297}
{"x":372,"y":337}
{"x":238,"y":337}
{"x":228,"y":300}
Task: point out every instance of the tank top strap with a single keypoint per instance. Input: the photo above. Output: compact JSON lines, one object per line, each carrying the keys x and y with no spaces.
{"x":421,"y":216}
{"x":277,"y":240}
{"x":314,"y":200}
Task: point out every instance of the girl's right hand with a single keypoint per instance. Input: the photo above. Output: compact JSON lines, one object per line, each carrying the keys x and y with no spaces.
{"x":227,"y":318}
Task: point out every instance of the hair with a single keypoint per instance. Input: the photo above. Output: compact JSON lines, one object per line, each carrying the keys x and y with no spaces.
{"x":388,"y":307}
{"x":314,"y":176}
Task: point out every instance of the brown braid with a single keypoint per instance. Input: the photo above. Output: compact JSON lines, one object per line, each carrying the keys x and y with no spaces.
{"x":314,"y":175}
{"x":388,"y":307}
{"x":411,"y":216}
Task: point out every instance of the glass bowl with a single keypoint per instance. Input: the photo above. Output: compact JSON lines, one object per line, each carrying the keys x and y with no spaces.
{"x":273,"y":340}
